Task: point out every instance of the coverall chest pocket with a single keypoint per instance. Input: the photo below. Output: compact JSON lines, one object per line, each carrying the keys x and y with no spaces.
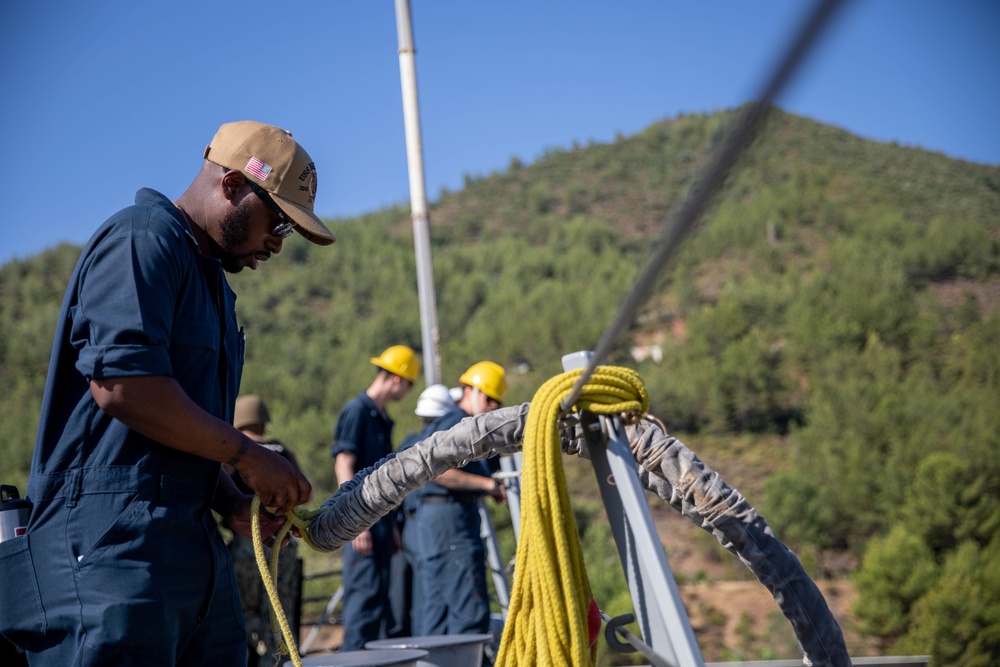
{"x":194,"y":358}
{"x":194,"y":337}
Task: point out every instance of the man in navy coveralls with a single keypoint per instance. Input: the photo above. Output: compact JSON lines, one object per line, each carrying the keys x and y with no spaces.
{"x":122,"y":563}
{"x":442,"y":531}
{"x":362,"y":437}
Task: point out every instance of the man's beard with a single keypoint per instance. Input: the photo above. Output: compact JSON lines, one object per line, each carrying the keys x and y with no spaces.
{"x":235,"y":230}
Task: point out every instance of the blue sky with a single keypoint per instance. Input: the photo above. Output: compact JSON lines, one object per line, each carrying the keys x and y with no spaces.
{"x":102,"y":98}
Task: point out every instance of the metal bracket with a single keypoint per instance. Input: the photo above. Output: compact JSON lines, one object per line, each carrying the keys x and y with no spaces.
{"x":616,"y":626}
{"x":611,"y":629}
{"x":667,"y":636}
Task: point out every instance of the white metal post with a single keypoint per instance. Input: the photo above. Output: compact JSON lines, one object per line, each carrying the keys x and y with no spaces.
{"x":418,"y":196}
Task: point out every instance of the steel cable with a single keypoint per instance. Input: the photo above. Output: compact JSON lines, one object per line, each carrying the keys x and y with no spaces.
{"x":740,"y":134}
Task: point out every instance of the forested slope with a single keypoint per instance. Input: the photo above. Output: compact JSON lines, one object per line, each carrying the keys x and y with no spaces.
{"x":841,"y":295}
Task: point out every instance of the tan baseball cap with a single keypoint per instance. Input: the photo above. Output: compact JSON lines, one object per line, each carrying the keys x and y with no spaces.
{"x":269,"y":157}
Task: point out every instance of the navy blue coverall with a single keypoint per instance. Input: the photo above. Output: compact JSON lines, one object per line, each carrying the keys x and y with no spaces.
{"x":442,"y":540}
{"x":122,"y":563}
{"x":365,"y":431}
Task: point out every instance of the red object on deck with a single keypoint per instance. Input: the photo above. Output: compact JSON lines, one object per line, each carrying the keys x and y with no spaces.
{"x":593,"y":622}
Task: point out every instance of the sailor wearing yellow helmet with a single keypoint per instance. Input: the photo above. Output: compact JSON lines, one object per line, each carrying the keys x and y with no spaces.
{"x":363,"y":437}
{"x":441,"y":536}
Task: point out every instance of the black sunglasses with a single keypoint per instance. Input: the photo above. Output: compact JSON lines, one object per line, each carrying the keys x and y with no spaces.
{"x":285,"y":228}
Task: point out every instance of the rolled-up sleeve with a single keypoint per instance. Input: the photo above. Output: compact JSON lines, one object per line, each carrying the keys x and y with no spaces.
{"x":347,"y":435}
{"x":124,"y":312}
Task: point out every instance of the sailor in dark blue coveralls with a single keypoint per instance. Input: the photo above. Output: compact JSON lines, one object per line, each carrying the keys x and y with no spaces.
{"x":122,"y":563}
{"x":362,"y":437}
{"x":433,"y":402}
{"x":442,"y":531}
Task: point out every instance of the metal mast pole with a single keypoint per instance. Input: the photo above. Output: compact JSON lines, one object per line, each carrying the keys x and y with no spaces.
{"x":418,"y":196}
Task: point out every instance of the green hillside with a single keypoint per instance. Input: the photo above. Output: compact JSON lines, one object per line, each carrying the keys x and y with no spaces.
{"x":840,"y":296}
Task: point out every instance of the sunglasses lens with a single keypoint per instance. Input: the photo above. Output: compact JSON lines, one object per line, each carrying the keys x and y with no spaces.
{"x":282,"y":230}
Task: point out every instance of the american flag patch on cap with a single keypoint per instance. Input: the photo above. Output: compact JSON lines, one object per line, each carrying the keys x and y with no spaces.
{"x":258,"y":168}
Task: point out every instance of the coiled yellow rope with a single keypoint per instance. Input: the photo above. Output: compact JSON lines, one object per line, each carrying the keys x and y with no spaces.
{"x":547,"y":617}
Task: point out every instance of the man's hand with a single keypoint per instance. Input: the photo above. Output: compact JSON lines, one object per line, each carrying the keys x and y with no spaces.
{"x":240,"y":520}
{"x":362,"y":544}
{"x":278,"y":483}
{"x":498,"y":492}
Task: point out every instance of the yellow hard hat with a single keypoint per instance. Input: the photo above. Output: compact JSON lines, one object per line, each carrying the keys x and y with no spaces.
{"x":399,"y":360}
{"x":488,"y":377}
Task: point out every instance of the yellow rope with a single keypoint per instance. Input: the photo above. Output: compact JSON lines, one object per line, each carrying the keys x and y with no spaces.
{"x":301,"y":518}
{"x":547,"y":617}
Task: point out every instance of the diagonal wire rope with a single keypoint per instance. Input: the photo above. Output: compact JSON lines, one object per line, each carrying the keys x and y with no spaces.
{"x":741,"y":133}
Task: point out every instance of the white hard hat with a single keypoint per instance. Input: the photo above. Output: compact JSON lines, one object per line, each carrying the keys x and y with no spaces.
{"x":434,"y":401}
{"x":456,"y":394}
